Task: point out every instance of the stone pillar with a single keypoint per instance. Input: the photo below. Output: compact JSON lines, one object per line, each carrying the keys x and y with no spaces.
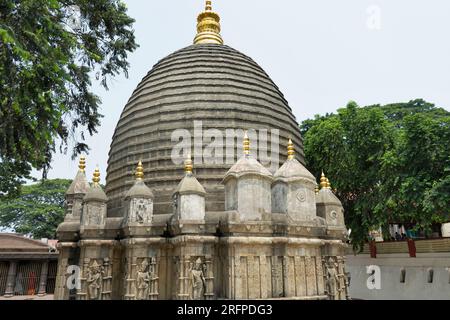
{"x":11,"y":280}
{"x":43,"y":279}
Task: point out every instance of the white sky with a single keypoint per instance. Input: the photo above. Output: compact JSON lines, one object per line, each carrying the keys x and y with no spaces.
{"x":321,"y":53}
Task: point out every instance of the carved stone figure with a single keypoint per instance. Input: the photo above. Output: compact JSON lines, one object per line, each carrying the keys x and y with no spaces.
{"x":143,"y":280}
{"x":332,"y":280}
{"x":94,"y":281}
{"x":197,"y":280}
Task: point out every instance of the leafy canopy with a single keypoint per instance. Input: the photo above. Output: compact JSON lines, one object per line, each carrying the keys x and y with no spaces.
{"x":49,"y":50}
{"x":37,"y":211}
{"x":388,"y":163}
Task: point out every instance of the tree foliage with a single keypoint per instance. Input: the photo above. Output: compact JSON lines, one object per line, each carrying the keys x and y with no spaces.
{"x":37,"y":211}
{"x":49,"y":50}
{"x":388,"y":163}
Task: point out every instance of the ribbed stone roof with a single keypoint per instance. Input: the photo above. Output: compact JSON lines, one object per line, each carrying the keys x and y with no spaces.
{"x":211,"y":83}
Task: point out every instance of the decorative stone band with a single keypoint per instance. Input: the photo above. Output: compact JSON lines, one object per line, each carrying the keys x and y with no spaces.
{"x":194,"y":239}
{"x":143,"y":241}
{"x":271,"y":240}
{"x":85,"y":243}
{"x":62,"y":245}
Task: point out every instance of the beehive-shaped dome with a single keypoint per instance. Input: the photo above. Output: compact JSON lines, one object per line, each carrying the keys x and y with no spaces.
{"x":212,"y":84}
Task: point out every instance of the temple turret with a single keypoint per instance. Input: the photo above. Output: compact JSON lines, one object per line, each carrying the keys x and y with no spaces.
{"x":293,"y":191}
{"x":94,"y":208}
{"x":329,"y":207}
{"x":76,"y":193}
{"x":248,"y":187}
{"x":139,"y":200}
{"x":189,"y":197}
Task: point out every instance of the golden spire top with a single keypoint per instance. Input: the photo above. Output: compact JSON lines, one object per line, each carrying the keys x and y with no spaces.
{"x":246,"y":144}
{"x":140,"y":172}
{"x":208,"y":5}
{"x":291,"y":150}
{"x":323,"y":181}
{"x":328,"y":184}
{"x":188,"y":165}
{"x":82,"y":164}
{"x":208,"y":26}
{"x":96,"y":178}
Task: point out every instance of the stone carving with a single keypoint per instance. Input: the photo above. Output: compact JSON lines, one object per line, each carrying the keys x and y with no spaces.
{"x":332,"y":279}
{"x":146,"y":280}
{"x":333,"y":215}
{"x":94,"y":215}
{"x":141,"y":210}
{"x":143,"y":281}
{"x":301,"y":196}
{"x":198,"y":282}
{"x":94,"y":281}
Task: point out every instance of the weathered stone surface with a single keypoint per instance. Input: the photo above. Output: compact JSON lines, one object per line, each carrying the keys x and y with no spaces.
{"x":210,"y":83}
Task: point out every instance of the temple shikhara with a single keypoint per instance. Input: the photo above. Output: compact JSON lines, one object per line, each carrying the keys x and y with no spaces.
{"x":201,"y":230}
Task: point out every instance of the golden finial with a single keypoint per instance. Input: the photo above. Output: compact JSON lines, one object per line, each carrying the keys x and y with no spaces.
{"x":140,"y":171}
{"x":208,"y":26}
{"x":291,"y":150}
{"x":82,"y":164}
{"x":208,"y":5}
{"x":96,"y":178}
{"x":317,"y":190}
{"x":246,"y":144}
{"x":323,"y":181}
{"x":188,"y":165}
{"x":328,"y":184}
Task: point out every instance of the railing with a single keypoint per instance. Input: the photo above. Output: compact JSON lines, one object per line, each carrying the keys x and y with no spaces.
{"x":4,"y":266}
{"x":422,"y":246}
{"x":51,"y":278}
{"x":27,"y":279}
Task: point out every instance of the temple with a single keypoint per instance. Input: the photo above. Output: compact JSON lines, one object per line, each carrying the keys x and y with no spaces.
{"x":196,"y":229}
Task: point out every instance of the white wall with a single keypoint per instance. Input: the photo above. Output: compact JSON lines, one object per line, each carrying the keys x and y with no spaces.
{"x":416,"y":284}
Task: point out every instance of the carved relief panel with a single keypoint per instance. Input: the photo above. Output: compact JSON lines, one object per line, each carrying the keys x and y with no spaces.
{"x":336,"y":281}
{"x":147,"y":279}
{"x":140,"y":211}
{"x":94,"y":214}
{"x":195,"y":278}
{"x":97,"y":280}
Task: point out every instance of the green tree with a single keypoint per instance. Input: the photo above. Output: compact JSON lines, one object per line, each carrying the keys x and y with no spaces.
{"x":387,"y":163}
{"x":49,"y":51}
{"x":417,"y":172}
{"x":37,"y":211}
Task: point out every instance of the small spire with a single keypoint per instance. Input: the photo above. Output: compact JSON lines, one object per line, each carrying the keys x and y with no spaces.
{"x":291,"y":150}
{"x":140,"y":172}
{"x":328,"y":184}
{"x":188,"y":165}
{"x":246,"y":144}
{"x":323,"y":181}
{"x":208,"y":26}
{"x":82,"y":164}
{"x":317,"y":189}
{"x":96,"y":177}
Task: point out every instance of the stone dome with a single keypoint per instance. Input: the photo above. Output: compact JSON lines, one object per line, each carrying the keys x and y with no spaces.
{"x":211,"y":83}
